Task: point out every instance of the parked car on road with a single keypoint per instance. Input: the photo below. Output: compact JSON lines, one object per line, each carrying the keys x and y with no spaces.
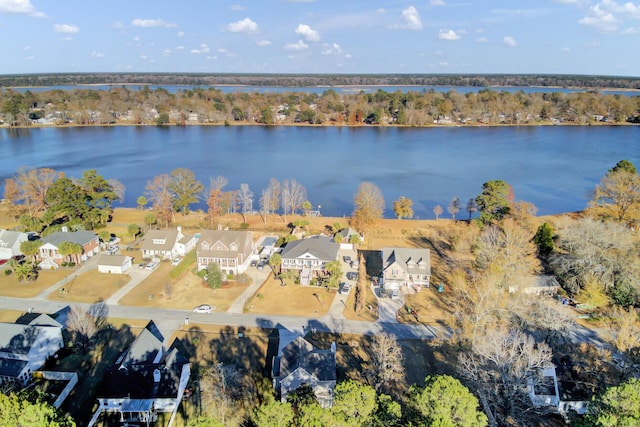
{"x":345,"y":288}
{"x":347,"y":259}
{"x":352,"y":275}
{"x":203,"y":308}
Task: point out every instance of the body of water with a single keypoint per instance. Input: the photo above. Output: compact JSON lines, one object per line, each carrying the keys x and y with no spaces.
{"x":341,"y":90}
{"x":553,"y":167}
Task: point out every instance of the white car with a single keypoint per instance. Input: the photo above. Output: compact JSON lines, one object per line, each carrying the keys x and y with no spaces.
{"x":345,"y":288}
{"x":203,"y":308}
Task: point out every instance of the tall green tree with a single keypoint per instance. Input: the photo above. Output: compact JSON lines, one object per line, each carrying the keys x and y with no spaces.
{"x":354,"y":403}
{"x":100,"y":193}
{"x":445,"y":402}
{"x":623,"y":165}
{"x":273,"y":414}
{"x":617,"y":407}
{"x":493,"y":202}
{"x":186,"y":188}
{"x":544,"y":239}
{"x":275,"y":262}
{"x":30,"y":248}
{"x":334,"y":269}
{"x":18,"y":411}
{"x":141,"y":202}
{"x":215,"y":276}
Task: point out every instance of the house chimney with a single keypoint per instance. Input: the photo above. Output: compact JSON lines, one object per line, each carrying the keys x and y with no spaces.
{"x":156,"y":375}
{"x":65,"y":229}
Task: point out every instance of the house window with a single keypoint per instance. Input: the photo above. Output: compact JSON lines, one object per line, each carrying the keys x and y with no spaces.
{"x":219,"y":247}
{"x":234,"y":247}
{"x":394,"y":272}
{"x":205,"y":246}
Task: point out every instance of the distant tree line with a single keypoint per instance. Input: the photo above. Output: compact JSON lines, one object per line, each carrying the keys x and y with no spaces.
{"x":302,"y":80}
{"x":124,"y":105}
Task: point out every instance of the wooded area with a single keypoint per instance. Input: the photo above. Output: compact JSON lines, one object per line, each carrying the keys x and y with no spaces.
{"x":210,"y":105}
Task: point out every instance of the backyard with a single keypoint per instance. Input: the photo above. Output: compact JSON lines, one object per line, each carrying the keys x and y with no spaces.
{"x":10,"y":287}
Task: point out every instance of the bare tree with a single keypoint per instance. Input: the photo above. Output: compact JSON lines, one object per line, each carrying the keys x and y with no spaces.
{"x":221,"y":389}
{"x":274,"y":195}
{"x":509,"y":252}
{"x":472,"y":207}
{"x":34,"y":184}
{"x":386,"y":357}
{"x":369,"y":205}
{"x":216,"y":196}
{"x":245,"y":198}
{"x":159,"y":192}
{"x":454,"y":207}
{"x":293,"y":194}
{"x":82,"y":326}
{"x":265,"y":204}
{"x":500,"y":366}
{"x":594,"y":249}
{"x":118,"y":188}
{"x":617,"y":196}
{"x":437,"y":211}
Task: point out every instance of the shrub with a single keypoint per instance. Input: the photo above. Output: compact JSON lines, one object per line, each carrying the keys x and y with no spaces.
{"x":244,"y":226}
{"x":7,"y":272}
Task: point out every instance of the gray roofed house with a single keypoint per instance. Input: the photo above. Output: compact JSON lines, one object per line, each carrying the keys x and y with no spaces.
{"x":50,"y":255}
{"x":298,"y":362}
{"x":231,"y":250}
{"x":167,"y":244}
{"x":309,"y":256}
{"x":24,"y":348}
{"x":10,"y":243}
{"x":404,"y":267}
{"x":145,"y":380}
{"x":346,"y":236}
{"x":114,"y":264}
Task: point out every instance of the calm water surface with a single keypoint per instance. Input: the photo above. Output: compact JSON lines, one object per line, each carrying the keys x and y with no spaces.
{"x":553,"y":167}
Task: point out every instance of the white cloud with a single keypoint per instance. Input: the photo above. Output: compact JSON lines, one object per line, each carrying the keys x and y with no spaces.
{"x":296,"y":46}
{"x":180,"y":33}
{"x":381,"y":11}
{"x":117,"y":25}
{"x":331,"y":49}
{"x":23,"y":7}
{"x":66,"y":28}
{"x":29,"y":58}
{"x":149,"y":23}
{"x":437,"y":3}
{"x":180,"y":48}
{"x":263,"y":43}
{"x":96,"y":54}
{"x":606,"y":15}
{"x":482,"y":40}
{"x":410,"y":20}
{"x":166,"y":52}
{"x":203,"y":49}
{"x":510,"y":41}
{"x":136,"y":39}
{"x":308,"y":33}
{"x":236,"y":8}
{"x":630,"y":30}
{"x":566,"y":49}
{"x":144,"y":57}
{"x":448,"y":35}
{"x":244,"y":26}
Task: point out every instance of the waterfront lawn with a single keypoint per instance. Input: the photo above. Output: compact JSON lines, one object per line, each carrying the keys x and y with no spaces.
{"x":184,"y":292}
{"x":90,"y":287}
{"x":290,"y":300}
{"x":10,"y":287}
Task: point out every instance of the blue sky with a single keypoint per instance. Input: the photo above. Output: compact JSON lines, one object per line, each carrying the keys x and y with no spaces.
{"x":593,"y":37}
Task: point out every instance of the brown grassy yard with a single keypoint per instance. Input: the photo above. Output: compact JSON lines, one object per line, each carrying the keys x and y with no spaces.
{"x":9,"y":315}
{"x":90,"y":287}
{"x":309,"y":301}
{"x":10,"y":287}
{"x":185,"y":292}
{"x":369,"y":313}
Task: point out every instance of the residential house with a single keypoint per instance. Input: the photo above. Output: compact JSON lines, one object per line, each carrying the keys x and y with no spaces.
{"x":309,"y":256}
{"x":50,"y":256}
{"x":25,"y":346}
{"x":405,"y":267}
{"x":298,"y":362}
{"x":167,"y":244}
{"x":114,"y":264}
{"x":10,"y":243}
{"x":545,"y":391}
{"x":145,"y":380}
{"x":231,"y":250}
{"x":346,"y":236}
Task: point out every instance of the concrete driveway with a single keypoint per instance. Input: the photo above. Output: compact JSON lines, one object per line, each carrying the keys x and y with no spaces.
{"x":387,"y":307}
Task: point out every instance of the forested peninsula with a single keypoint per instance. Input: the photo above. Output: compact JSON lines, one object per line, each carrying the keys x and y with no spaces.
{"x":143,"y":99}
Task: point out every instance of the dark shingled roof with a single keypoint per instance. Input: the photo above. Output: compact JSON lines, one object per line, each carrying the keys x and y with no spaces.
{"x":300,"y":353}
